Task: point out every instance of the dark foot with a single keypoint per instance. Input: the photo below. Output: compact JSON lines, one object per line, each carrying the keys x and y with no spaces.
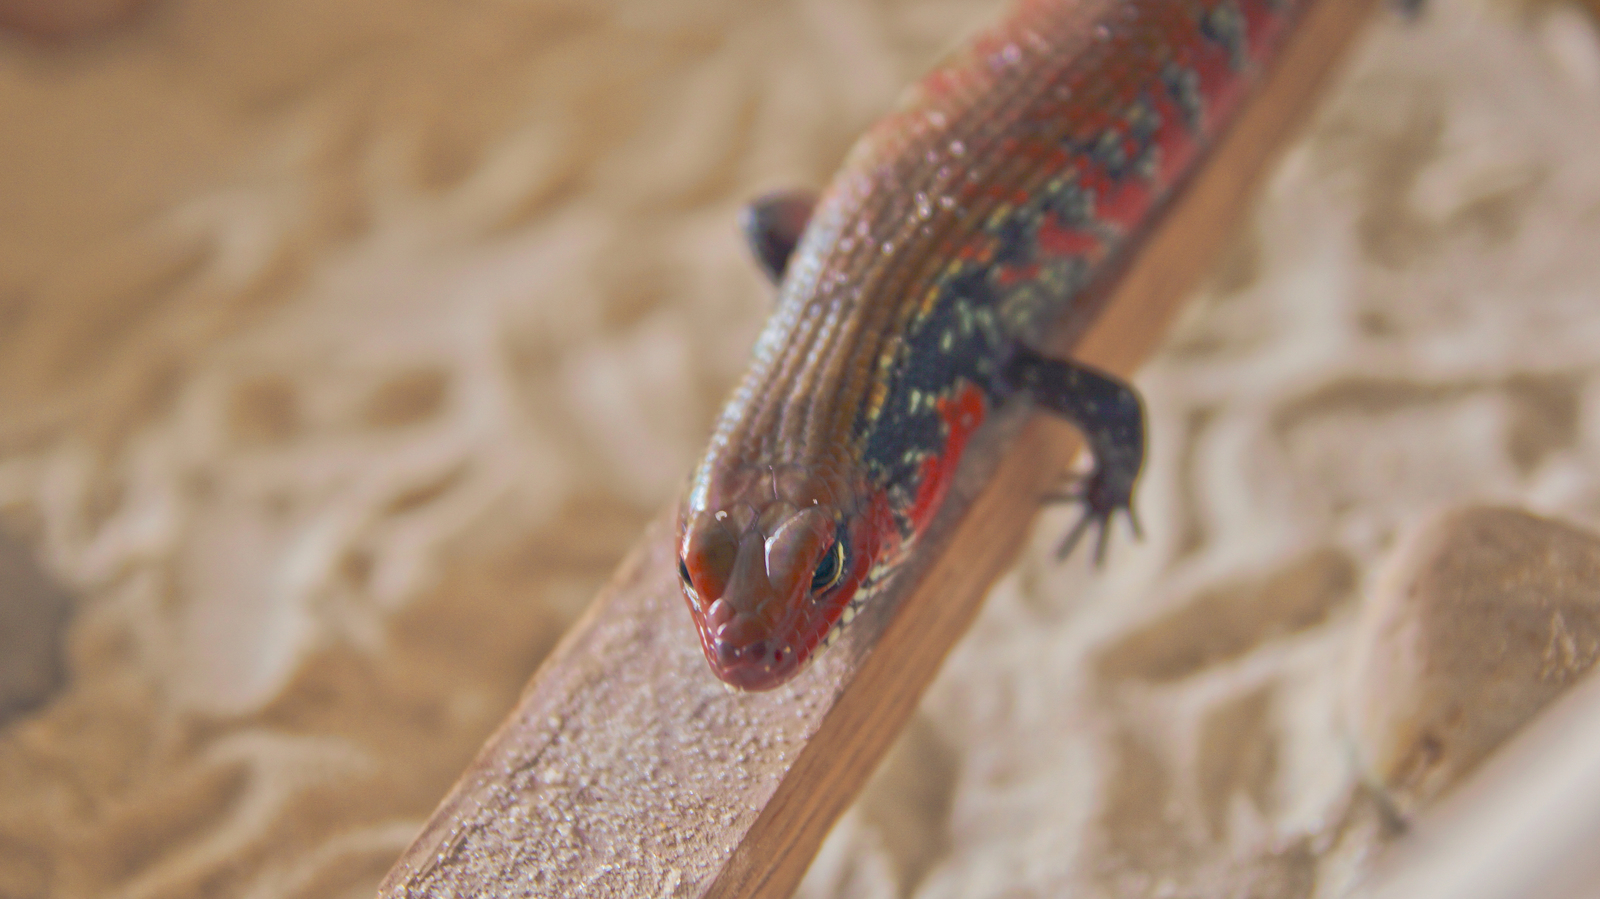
{"x":1111,"y":417}
{"x":1100,"y":505}
{"x":772,"y":225}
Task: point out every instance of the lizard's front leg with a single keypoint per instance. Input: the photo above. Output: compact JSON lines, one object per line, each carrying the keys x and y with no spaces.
{"x":1111,"y":417}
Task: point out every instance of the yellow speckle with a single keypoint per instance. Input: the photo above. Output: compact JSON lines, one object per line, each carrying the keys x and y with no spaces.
{"x":880,"y":392}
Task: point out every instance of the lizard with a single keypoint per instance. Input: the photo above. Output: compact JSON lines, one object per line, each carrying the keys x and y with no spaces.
{"x":999,"y":197}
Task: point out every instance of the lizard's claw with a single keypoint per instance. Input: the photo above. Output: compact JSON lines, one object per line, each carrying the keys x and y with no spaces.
{"x":1101,"y":501}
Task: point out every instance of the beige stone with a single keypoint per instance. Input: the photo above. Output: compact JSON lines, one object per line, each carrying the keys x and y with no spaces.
{"x":1483,"y":616}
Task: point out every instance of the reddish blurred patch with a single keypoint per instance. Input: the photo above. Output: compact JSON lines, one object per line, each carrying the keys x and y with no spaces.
{"x":63,"y":20}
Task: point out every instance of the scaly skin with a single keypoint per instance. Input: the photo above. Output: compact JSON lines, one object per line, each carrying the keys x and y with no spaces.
{"x":987,"y":208}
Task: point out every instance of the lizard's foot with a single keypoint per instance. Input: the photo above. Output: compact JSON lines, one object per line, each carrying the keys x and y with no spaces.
{"x":1101,"y":501}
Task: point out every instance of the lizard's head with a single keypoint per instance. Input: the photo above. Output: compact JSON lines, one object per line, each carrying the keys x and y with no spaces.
{"x":769,"y":565}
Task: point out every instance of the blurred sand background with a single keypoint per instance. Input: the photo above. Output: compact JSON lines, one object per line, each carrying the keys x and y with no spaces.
{"x":344,"y":347}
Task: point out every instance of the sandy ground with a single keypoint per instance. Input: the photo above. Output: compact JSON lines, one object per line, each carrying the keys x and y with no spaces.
{"x":345,"y":347}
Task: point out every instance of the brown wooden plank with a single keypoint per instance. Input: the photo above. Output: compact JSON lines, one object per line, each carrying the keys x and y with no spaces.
{"x":628,"y":770}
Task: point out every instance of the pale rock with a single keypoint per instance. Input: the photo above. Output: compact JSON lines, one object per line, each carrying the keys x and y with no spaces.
{"x":1482,"y":617}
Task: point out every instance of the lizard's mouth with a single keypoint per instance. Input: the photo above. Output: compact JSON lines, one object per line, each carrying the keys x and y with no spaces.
{"x":761,"y":663}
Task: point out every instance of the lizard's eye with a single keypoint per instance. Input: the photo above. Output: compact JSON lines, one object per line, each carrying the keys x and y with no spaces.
{"x":683,"y":572}
{"x":829,"y":568}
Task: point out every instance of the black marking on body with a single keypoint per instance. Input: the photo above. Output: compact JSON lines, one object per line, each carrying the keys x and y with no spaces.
{"x":1225,"y":24}
{"x":959,"y":341}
